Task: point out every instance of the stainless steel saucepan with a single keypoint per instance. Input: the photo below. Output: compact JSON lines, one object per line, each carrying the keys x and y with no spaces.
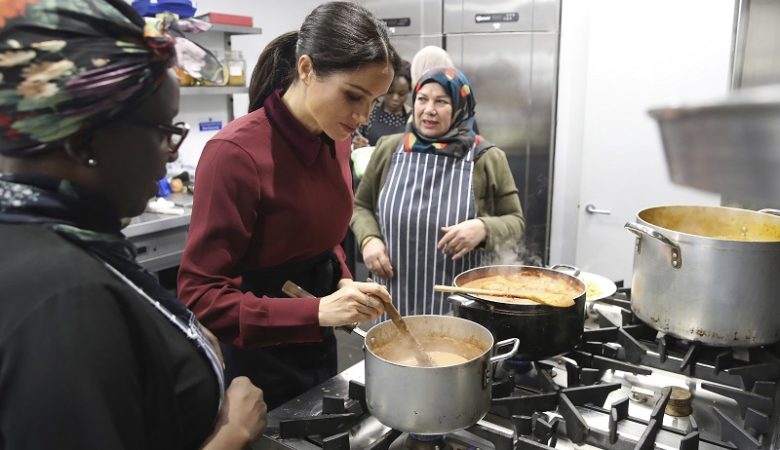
{"x":438,"y":399}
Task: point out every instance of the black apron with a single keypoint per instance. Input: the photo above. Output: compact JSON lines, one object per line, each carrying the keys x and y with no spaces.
{"x":286,"y":371}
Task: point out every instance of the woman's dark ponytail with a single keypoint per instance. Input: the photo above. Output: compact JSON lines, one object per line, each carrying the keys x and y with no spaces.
{"x":338,"y":37}
{"x":275,"y":69}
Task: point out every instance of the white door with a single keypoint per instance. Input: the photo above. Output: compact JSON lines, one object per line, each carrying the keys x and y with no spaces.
{"x":618,"y":59}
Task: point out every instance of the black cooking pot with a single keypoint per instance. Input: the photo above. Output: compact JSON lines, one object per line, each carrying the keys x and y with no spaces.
{"x":544,"y":331}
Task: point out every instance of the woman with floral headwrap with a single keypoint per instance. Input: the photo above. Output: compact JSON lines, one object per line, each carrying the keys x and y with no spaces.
{"x":94,"y":354}
{"x":435,"y":200}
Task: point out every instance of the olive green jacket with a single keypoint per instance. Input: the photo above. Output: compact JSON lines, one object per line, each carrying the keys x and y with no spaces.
{"x":495,"y":193}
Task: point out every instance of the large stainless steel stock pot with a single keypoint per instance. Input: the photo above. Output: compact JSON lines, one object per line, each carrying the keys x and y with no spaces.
{"x":708,"y":274}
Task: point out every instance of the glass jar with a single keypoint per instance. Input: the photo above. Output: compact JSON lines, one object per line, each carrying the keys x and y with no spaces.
{"x":236,"y":66}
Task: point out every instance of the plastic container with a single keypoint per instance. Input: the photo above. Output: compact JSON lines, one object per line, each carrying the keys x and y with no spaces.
{"x":163,"y":187}
{"x":149,"y":8}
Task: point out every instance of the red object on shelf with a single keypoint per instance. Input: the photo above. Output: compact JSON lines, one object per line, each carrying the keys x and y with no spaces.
{"x":227,"y":19}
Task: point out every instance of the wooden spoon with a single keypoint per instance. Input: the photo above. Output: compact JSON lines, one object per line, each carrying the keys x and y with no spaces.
{"x":423,"y":358}
{"x":551,"y":299}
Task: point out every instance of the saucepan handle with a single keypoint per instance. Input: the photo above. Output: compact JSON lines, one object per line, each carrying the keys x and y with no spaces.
{"x":643,"y":230}
{"x":353,"y":328}
{"x":575,"y":270}
{"x":515,"y":345}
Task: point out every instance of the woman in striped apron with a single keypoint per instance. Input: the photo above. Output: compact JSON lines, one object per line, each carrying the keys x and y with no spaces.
{"x":435,"y":200}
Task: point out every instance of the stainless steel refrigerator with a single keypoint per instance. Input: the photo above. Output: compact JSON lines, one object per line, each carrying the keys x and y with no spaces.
{"x":509,"y":51}
{"x":413,"y":24}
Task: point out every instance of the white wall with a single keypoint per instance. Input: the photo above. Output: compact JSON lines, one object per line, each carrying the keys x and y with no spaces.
{"x":618,"y":59}
{"x":569,"y":130}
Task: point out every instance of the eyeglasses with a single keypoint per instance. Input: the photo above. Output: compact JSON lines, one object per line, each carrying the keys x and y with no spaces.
{"x":175,"y":133}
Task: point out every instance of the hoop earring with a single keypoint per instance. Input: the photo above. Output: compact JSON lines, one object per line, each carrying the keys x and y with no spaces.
{"x":92,"y":162}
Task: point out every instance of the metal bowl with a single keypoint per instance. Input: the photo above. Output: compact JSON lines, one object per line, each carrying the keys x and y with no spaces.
{"x":728,"y":146}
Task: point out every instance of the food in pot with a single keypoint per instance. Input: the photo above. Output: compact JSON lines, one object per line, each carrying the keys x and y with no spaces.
{"x":728,"y":224}
{"x":443,"y":350}
{"x":592,"y":290}
{"x":746,"y":235}
{"x":520,"y":284}
{"x":596,"y":286}
{"x":432,"y":400}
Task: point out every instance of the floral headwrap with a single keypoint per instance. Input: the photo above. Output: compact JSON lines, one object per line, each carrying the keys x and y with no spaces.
{"x":71,"y":66}
{"x":458,"y":140}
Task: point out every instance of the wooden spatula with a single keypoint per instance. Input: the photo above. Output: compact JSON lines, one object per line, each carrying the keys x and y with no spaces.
{"x":551,"y":299}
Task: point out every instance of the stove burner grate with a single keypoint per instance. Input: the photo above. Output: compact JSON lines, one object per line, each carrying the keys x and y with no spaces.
{"x":536,"y":404}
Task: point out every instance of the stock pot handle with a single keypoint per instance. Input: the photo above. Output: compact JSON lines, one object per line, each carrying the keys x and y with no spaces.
{"x":515,"y":345}
{"x":486,"y":379}
{"x":575,"y":270}
{"x":643,"y":230}
{"x":774,"y":212}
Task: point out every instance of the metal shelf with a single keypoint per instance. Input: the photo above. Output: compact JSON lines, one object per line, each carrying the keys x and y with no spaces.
{"x":213,"y":90}
{"x":232,"y":29}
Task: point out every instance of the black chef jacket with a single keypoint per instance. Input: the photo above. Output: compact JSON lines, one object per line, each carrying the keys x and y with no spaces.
{"x":85,"y":361}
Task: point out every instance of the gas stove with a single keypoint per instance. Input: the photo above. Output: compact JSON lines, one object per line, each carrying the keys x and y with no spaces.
{"x":624,"y":387}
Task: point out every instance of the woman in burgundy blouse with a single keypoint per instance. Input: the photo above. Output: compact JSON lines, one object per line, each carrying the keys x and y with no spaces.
{"x":274,"y":201}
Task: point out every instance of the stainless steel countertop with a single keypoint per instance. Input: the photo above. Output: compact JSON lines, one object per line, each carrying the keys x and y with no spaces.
{"x":305,"y":405}
{"x":151,"y":222}
{"x":309,"y":403}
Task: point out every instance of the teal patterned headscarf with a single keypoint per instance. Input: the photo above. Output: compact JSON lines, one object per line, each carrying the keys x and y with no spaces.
{"x":459,"y":139}
{"x":67,"y":67}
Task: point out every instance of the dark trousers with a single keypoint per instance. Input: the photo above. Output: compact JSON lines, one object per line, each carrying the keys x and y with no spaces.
{"x":283,"y":372}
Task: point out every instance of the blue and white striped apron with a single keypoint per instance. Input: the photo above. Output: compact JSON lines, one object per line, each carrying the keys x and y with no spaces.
{"x":422,"y":193}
